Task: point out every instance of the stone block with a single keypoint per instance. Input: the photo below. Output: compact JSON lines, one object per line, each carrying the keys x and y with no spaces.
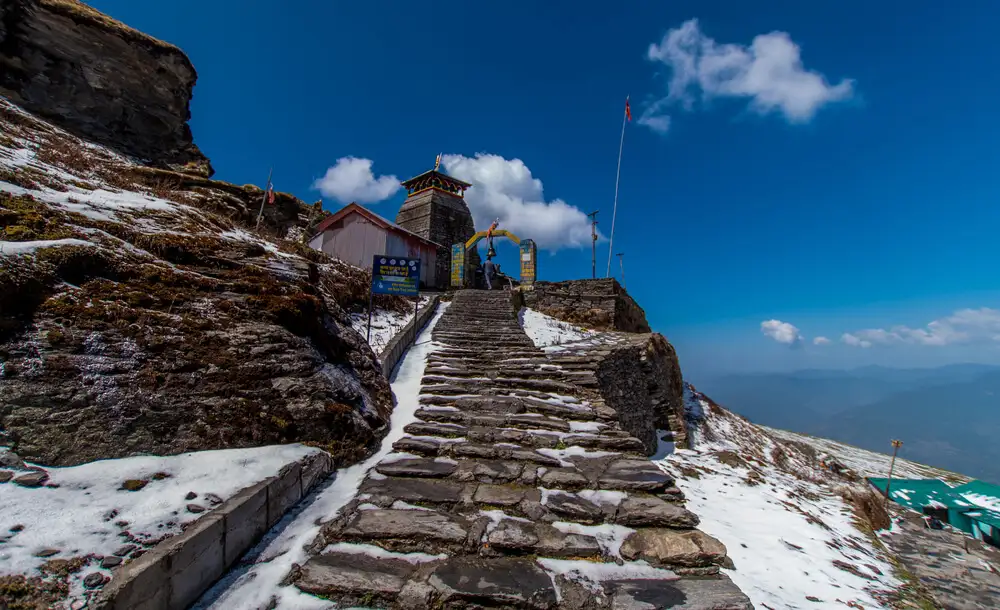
{"x":315,"y":468}
{"x":283,"y":492}
{"x":680,"y":548}
{"x":196,"y":560}
{"x":505,"y":582}
{"x":142,"y":584}
{"x":245,"y":516}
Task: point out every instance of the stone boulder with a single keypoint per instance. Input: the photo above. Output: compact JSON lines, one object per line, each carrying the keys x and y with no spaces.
{"x":100,"y":79}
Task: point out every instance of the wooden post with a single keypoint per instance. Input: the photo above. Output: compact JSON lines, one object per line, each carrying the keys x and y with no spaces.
{"x":895,"y":449}
{"x":263,"y":199}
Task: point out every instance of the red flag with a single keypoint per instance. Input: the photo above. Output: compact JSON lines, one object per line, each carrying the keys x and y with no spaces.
{"x":628,"y":110}
{"x":270,"y":195}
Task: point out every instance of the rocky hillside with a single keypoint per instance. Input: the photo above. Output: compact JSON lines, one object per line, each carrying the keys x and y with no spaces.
{"x":100,"y":79}
{"x":805,"y":530}
{"x":140,"y":312}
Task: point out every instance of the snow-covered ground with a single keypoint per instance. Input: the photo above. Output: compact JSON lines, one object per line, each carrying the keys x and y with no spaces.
{"x":790,"y":535}
{"x":385,"y":324}
{"x":548,"y":332}
{"x":868,"y":463}
{"x":256,"y":580}
{"x":84,"y":510}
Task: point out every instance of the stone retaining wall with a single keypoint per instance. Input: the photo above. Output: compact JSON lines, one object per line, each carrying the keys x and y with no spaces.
{"x":600,"y":304}
{"x":404,"y":339}
{"x":176,"y":572}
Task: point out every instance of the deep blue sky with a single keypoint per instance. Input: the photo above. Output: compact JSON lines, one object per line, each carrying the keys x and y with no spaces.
{"x":881,"y":210}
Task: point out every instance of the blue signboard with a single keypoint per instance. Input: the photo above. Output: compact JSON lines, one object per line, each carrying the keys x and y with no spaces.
{"x":393,"y":275}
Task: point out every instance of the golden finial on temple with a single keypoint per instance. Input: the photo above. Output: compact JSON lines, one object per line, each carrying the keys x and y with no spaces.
{"x":437,"y":162}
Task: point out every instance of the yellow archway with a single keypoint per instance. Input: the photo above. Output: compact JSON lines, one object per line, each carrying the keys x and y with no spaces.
{"x":528,"y":254}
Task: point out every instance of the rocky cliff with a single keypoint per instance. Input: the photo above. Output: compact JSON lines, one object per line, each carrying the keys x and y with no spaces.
{"x":100,"y":79}
{"x":141,"y":313}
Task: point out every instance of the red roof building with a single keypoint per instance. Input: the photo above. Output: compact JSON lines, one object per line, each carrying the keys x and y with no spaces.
{"x":356,"y":235}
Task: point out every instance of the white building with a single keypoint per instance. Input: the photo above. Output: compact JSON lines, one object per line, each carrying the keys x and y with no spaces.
{"x":356,"y":235}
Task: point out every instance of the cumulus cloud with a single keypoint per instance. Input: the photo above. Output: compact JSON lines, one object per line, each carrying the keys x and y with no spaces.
{"x":855,"y":340}
{"x":963,"y":326}
{"x":769,"y":72}
{"x":352,"y":179}
{"x":821,"y":341}
{"x":505,"y":189}
{"x":782,"y":332}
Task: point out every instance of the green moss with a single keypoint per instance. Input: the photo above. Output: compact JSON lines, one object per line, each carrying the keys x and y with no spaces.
{"x":24,"y":219}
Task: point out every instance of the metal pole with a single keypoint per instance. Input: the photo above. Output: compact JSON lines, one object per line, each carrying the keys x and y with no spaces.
{"x":263,"y":199}
{"x":895,"y":449}
{"x":614,"y":213}
{"x":621,"y":260}
{"x":371,"y":298}
{"x":593,"y":246}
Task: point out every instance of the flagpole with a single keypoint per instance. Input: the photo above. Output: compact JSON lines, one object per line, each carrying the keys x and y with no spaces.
{"x":263,"y":199}
{"x":614,"y":213}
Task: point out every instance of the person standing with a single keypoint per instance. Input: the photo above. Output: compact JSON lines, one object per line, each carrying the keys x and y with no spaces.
{"x":488,"y":271}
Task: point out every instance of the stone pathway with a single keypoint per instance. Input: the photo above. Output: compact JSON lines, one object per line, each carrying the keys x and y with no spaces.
{"x":959,"y":572}
{"x":516,"y":488}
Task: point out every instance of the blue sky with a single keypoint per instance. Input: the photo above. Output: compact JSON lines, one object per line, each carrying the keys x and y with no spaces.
{"x":851,"y":193}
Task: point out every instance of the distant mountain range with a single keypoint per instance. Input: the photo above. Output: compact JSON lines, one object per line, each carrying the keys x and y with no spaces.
{"x":947,"y":417}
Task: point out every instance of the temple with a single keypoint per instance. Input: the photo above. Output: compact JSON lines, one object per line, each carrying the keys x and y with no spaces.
{"x":435,"y":209}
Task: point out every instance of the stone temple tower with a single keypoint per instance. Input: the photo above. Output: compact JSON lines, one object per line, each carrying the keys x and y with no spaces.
{"x":435,"y":209}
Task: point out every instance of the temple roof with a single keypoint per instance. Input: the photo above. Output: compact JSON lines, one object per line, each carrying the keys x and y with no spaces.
{"x":435,"y":179}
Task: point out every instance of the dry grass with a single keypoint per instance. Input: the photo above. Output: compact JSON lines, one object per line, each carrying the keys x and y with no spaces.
{"x":66,"y":154}
{"x":868,"y":506}
{"x":80,"y":12}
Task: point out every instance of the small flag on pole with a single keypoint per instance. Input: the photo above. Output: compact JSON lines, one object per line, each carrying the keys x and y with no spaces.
{"x":270,"y":195}
{"x":628,"y":109}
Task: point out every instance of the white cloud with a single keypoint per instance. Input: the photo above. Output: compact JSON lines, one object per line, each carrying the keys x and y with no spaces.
{"x":821,"y":341}
{"x":963,"y":326}
{"x":351,"y":179}
{"x":855,"y":340}
{"x":769,"y":72}
{"x":782,"y":332}
{"x":505,"y":189}
{"x":655,"y":117}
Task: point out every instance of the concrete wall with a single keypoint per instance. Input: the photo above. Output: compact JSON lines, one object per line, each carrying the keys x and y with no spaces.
{"x":600,"y":304}
{"x":179,"y":570}
{"x":397,"y":345}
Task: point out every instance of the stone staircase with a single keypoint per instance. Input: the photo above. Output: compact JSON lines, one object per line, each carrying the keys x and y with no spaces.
{"x":516,"y":488}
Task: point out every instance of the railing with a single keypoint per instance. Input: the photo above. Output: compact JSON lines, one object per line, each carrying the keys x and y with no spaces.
{"x":402,"y":340}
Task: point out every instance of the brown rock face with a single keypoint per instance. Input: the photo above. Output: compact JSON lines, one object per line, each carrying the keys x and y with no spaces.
{"x":100,"y":80}
{"x":175,"y":329}
{"x":641,"y":378}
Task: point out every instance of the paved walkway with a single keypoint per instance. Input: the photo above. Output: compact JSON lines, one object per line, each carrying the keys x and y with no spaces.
{"x":515,"y":488}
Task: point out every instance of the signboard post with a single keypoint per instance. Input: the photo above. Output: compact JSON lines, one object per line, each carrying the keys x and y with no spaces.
{"x":529,"y":256}
{"x":393,"y":275}
{"x":458,"y":265}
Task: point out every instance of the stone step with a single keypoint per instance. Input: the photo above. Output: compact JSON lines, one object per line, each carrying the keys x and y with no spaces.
{"x":347,"y":575}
